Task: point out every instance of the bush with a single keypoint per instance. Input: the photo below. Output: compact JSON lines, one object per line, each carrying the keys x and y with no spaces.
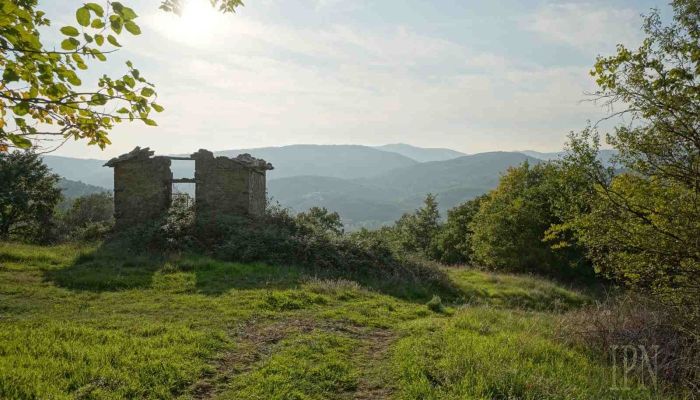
{"x":634,"y":320}
{"x":511,"y":226}
{"x":89,"y":218}
{"x":435,"y":305}
{"x":310,"y":240}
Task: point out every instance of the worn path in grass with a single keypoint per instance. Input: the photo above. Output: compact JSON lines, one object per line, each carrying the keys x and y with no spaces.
{"x":79,"y":323}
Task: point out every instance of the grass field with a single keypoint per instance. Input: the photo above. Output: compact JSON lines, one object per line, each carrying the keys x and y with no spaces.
{"x":76,"y":322}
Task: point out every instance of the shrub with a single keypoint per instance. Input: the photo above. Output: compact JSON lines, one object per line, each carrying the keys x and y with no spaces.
{"x":635,"y":320}
{"x":309,"y":240}
{"x":435,"y":304}
{"x":511,"y":226}
{"x":89,"y":218}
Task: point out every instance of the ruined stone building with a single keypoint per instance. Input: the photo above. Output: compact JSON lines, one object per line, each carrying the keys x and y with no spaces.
{"x":223,"y":185}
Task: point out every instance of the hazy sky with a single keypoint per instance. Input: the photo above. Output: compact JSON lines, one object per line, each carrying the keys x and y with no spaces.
{"x":470,"y":75}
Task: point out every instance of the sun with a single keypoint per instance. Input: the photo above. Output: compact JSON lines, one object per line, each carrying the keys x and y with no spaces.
{"x":199,"y":23}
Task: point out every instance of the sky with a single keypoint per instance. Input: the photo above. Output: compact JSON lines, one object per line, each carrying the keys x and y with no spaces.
{"x":469,"y":75}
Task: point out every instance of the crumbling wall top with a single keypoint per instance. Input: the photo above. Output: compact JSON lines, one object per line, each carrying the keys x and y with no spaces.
{"x":243,"y":159}
{"x":136,"y":154}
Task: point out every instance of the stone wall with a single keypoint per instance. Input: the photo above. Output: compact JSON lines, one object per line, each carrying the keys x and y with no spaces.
{"x":142,"y":190}
{"x":258,"y":193}
{"x":222,"y":186}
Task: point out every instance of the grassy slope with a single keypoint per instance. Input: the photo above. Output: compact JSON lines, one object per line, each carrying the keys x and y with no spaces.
{"x":78,"y":325}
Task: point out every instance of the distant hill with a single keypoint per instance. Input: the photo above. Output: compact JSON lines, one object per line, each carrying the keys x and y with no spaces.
{"x":338,"y":161}
{"x":475,"y":171}
{"x":421,"y":154}
{"x":74,"y":189}
{"x":88,"y":171}
{"x":367,"y":186}
{"x":382,"y":199}
{"x":603,"y":155}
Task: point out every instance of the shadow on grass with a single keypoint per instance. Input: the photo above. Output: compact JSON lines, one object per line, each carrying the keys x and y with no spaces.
{"x":110,"y":268}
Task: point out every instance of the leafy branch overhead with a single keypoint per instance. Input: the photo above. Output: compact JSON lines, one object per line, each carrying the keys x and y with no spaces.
{"x":39,"y":93}
{"x":222,"y":5}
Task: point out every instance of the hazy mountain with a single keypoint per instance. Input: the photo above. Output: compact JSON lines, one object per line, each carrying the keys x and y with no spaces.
{"x":88,"y":171}
{"x":338,"y":161}
{"x":382,"y":199}
{"x":421,"y":154}
{"x":367,"y":186}
{"x":73,"y":189}
{"x":475,"y":171}
{"x":603,"y":155}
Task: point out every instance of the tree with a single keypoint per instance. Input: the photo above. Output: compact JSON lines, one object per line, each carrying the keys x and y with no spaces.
{"x":320,"y":220}
{"x":28,"y":196}
{"x":511,"y":226}
{"x":40,"y":96}
{"x":642,"y":226}
{"x":417,"y":232}
{"x":454,"y":241}
{"x":90,"y":209}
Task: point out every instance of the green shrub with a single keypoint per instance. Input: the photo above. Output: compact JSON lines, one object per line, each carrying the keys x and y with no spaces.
{"x":511,"y":226}
{"x":435,"y":304}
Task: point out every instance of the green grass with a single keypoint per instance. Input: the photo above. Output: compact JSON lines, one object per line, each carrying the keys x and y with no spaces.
{"x":82,"y":322}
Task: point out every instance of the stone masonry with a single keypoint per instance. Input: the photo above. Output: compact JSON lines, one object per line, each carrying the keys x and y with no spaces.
{"x":224,"y":186}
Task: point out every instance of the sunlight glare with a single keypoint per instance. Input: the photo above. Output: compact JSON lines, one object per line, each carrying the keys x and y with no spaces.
{"x":199,"y":25}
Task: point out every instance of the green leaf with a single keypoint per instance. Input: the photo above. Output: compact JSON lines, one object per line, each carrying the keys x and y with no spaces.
{"x":111,"y":39}
{"x":20,"y":141}
{"x":129,"y":81}
{"x":70,"y":44}
{"x":123,"y":110}
{"x":83,"y":16}
{"x":132,"y":28}
{"x":147,"y":92}
{"x":128,"y":14}
{"x":98,"y":54}
{"x":96,"y":8}
{"x":149,"y":122}
{"x":21,"y":109}
{"x":116,"y":24}
{"x":70,"y":31}
{"x":99,"y":39}
{"x":157,"y":107}
{"x":97,"y":23}
{"x":10,"y":75}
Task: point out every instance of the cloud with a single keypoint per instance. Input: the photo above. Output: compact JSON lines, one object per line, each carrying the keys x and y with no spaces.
{"x":245,"y":82}
{"x":585,"y":26}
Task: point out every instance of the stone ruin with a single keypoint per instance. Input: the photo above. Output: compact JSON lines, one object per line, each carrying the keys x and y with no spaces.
{"x":223,"y":185}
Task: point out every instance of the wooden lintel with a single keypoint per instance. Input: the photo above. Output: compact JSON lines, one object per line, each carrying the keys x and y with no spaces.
{"x":184,"y":180}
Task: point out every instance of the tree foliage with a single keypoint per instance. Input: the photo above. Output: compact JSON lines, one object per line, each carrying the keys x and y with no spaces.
{"x":222,"y":5}
{"x":320,"y":220}
{"x":454,"y":241}
{"x":511,"y":227}
{"x":41,"y":95}
{"x":417,"y":232}
{"x":642,"y":226}
{"x":28,"y":197}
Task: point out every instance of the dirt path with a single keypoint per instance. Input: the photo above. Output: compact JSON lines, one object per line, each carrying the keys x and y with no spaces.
{"x":256,"y":340}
